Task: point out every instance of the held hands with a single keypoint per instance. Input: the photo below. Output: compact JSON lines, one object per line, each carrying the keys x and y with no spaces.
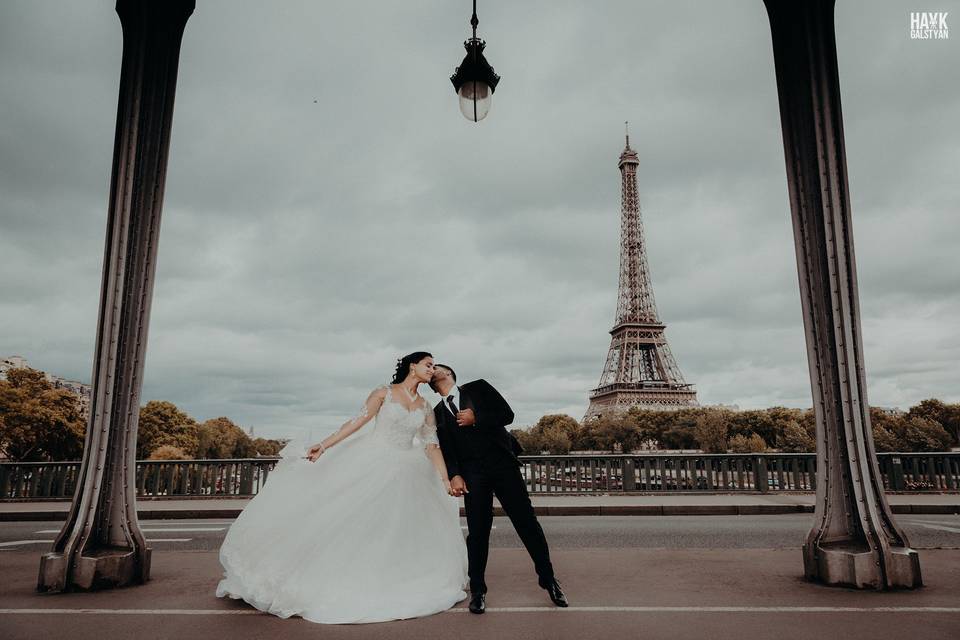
{"x":457,"y":487}
{"x":466,"y":418}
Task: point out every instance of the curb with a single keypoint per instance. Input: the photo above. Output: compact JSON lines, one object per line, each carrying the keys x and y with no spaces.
{"x":612,"y":510}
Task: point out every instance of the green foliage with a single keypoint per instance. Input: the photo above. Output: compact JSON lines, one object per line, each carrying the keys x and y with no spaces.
{"x":883,"y":440}
{"x":553,"y":433}
{"x":921,"y":434}
{"x":747,"y":444}
{"x":162,"y":423}
{"x":221,"y":438}
{"x":917,"y":430}
{"x":529,"y":442}
{"x":265,"y":447}
{"x":946,"y":415}
{"x":712,"y":430}
{"x":680,"y":436}
{"x":168,"y":452}
{"x":37,"y":421}
{"x":796,"y":439}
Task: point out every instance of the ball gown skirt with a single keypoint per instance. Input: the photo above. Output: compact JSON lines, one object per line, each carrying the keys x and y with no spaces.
{"x":365,"y":534}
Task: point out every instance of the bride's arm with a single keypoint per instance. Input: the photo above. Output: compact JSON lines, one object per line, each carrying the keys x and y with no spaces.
{"x":436,"y":457}
{"x":428,"y":433}
{"x":368,"y":411}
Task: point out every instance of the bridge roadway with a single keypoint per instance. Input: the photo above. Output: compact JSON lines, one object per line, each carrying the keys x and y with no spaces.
{"x":636,"y":577}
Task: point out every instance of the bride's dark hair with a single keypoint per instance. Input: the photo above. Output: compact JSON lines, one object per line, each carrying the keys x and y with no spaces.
{"x":403,"y":365}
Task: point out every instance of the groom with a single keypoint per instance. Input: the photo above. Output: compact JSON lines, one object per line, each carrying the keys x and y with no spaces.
{"x":481,"y":459}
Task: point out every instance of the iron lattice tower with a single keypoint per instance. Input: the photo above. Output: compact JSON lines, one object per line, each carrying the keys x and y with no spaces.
{"x":640,"y":369}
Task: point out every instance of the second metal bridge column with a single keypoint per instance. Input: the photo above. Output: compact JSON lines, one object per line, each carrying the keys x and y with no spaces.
{"x":855,"y":540}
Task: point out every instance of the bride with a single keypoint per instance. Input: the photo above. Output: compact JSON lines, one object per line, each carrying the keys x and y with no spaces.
{"x":357,"y":528}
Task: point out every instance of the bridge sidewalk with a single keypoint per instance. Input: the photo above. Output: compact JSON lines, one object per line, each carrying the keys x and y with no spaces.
{"x":546,"y":505}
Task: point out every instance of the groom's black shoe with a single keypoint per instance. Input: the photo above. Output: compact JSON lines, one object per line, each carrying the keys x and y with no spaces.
{"x":478,"y":602}
{"x":556,"y":594}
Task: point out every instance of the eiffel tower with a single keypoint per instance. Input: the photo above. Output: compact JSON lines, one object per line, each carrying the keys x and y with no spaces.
{"x":640,"y":370}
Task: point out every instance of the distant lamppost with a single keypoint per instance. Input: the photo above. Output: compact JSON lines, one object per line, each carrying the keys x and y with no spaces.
{"x":474,"y":80}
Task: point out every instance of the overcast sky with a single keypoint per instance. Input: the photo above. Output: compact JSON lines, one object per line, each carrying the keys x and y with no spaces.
{"x":328,"y":209}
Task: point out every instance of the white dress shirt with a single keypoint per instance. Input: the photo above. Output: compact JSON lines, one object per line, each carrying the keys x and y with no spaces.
{"x":455,"y":392}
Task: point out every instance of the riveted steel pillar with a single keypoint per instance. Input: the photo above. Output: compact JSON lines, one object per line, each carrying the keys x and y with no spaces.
{"x":101,"y":544}
{"x":854,"y":541}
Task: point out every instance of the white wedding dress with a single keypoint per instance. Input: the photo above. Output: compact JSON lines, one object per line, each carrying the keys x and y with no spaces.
{"x":367,"y":533}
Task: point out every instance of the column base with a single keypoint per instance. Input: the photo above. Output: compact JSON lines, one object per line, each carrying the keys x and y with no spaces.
{"x":99,"y":569}
{"x":858,"y":567}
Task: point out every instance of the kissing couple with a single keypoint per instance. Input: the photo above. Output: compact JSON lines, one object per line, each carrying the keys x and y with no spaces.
{"x":364,"y":526}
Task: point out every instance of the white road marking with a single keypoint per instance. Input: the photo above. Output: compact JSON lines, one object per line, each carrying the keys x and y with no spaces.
{"x":940,"y":527}
{"x":164,"y":530}
{"x":169,"y":539}
{"x":181,"y":523}
{"x":721,"y":609}
{"x":247,"y":612}
{"x":19,"y":542}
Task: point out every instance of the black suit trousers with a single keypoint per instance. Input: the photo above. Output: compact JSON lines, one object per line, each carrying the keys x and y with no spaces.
{"x":498,"y":475}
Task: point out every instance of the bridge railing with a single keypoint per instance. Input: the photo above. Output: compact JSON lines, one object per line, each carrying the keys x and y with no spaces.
{"x":544,"y":474}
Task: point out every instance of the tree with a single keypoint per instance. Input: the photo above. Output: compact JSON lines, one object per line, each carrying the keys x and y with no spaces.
{"x":529,"y":441}
{"x":795,"y":439}
{"x":220,"y":438}
{"x":37,"y":421}
{"x":265,"y":447}
{"x":556,"y":441}
{"x":743,"y":444}
{"x":883,"y":440}
{"x":680,"y":436}
{"x":766,"y":423}
{"x":947,"y":415}
{"x":711,"y":431}
{"x":950,"y":419}
{"x":162,"y":423}
{"x":168,"y":452}
{"x":921,"y":434}
{"x":587,"y":440}
{"x":553,"y":433}
{"x":612,"y":432}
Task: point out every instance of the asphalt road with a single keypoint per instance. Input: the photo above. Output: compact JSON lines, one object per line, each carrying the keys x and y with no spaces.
{"x":681,"y":577}
{"x":563,"y":532}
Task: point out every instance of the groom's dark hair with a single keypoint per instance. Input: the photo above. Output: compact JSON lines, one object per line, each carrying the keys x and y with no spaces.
{"x":453,"y":374}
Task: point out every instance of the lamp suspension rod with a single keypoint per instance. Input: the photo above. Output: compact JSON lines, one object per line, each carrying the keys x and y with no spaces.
{"x":473,"y":20}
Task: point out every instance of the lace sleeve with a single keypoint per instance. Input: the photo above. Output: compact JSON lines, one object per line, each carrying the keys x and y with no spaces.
{"x":428,"y":430}
{"x":371,"y":406}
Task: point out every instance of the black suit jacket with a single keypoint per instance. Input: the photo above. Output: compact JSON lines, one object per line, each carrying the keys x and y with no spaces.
{"x":493,"y":414}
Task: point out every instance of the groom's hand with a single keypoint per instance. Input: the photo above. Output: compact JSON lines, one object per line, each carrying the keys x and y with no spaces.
{"x":465,"y":418}
{"x":457,"y":486}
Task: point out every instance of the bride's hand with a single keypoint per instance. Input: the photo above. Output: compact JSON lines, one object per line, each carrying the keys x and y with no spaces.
{"x":450,"y":489}
{"x":315,"y":452}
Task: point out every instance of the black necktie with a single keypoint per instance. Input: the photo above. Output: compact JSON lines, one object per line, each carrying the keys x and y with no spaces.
{"x":453,"y":407}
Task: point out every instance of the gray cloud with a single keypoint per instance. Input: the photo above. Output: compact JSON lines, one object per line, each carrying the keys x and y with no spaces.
{"x":328,"y":209}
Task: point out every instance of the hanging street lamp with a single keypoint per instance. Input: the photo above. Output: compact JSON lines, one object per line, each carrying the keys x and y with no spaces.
{"x":474,"y":80}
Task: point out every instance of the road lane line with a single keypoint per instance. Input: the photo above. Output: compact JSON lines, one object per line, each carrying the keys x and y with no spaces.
{"x":720,"y":609}
{"x":169,"y":539}
{"x":164,"y":530}
{"x":19,"y":542}
{"x":941,"y":528}
{"x":558,"y":610}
